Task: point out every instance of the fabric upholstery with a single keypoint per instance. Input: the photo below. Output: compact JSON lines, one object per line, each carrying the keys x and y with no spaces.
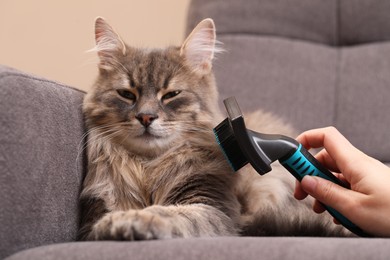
{"x":314,"y":63}
{"x":226,"y":248}
{"x":330,"y":22}
{"x":41,"y":128}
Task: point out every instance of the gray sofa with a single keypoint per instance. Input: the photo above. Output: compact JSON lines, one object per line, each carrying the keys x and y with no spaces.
{"x":313,"y":62}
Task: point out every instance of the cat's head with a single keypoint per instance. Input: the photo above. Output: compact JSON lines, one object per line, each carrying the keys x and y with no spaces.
{"x":146,"y":99}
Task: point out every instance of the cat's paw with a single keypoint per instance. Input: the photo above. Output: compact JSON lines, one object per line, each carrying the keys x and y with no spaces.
{"x":132,"y":225}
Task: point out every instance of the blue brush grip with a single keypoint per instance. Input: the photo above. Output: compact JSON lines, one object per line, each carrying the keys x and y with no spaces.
{"x":302,"y":163}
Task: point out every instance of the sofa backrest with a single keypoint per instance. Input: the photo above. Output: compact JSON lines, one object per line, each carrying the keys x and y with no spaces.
{"x":314,"y":63}
{"x":330,"y":22}
{"x":41,"y":161}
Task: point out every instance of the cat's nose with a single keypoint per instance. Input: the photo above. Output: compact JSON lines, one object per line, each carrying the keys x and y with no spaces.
{"x":146,"y":119}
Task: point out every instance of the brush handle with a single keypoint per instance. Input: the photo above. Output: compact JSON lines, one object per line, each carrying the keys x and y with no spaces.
{"x":302,"y":163}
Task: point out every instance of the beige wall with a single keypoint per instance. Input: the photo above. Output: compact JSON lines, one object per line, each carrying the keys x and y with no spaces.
{"x":50,"y":38}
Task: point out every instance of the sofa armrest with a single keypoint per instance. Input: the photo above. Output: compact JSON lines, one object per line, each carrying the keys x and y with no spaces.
{"x":41,"y":165}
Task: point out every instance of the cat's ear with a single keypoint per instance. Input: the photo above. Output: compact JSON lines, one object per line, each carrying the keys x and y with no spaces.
{"x":200,"y":46}
{"x":108,"y":43}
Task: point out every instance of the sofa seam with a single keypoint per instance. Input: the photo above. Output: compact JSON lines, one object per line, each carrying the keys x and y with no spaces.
{"x":273,"y":36}
{"x":337,"y":86}
{"x":338,"y":65}
{"x":338,"y":24}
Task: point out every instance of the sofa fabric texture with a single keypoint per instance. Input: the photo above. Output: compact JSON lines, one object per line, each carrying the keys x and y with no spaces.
{"x":41,"y":129}
{"x":312,"y":62}
{"x":331,"y":22}
{"x":248,"y":248}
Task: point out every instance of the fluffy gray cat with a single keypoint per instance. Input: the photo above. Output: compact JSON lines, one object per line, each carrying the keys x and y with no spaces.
{"x":155,"y":170}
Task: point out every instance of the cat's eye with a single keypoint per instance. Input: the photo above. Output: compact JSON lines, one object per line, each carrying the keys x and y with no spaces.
{"x":126,"y":94}
{"x":171,"y":94}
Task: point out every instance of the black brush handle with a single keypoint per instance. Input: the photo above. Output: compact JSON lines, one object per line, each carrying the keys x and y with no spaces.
{"x":302,"y":163}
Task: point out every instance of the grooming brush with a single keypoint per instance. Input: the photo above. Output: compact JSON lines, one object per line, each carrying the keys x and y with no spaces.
{"x":242,"y":146}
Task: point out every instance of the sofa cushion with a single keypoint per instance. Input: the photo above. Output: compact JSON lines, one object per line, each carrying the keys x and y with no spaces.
{"x":363,"y":21}
{"x":311,"y":20}
{"x":216,"y":248}
{"x":312,"y":85}
{"x":41,"y":129}
{"x":293,"y":79}
{"x":330,"y":22}
{"x":314,"y":63}
{"x":362,"y":100}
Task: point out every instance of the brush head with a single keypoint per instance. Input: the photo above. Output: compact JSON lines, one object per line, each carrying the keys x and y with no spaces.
{"x":239,"y":144}
{"x":230,"y":147}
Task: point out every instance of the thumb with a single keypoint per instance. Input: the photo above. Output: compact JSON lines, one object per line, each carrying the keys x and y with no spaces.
{"x":327,"y":192}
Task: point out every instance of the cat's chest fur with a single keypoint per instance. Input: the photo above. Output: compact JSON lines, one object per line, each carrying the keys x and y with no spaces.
{"x":186,"y":173}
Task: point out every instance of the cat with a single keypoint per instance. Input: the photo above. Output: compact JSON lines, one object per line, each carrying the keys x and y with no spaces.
{"x":155,"y":170}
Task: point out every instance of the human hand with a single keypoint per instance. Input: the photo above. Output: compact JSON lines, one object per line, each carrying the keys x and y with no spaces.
{"x":367,"y":203}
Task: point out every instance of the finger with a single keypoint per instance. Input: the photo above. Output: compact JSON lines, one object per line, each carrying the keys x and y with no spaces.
{"x":343,"y":180}
{"x":322,"y":137}
{"x":299,"y":193}
{"x":312,"y":138}
{"x":327,"y":161}
{"x":336,"y":145}
{"x":318,"y":207}
{"x":329,"y":193}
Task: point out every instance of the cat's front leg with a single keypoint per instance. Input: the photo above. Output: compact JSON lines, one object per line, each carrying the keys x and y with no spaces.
{"x":159,"y":222}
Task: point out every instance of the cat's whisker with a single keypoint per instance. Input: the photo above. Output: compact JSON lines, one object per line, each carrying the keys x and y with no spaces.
{"x":83,"y":144}
{"x":97,"y":132}
{"x":109,"y":136}
{"x":108,"y":126}
{"x":88,"y":133}
{"x":98,"y":141}
{"x":84,"y":136}
{"x":125,"y":138}
{"x":187,"y":126}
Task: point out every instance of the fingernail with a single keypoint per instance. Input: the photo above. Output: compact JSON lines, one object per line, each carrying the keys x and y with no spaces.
{"x":309,"y":183}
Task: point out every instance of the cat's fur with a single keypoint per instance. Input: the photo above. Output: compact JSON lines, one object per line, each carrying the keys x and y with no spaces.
{"x":154,"y":168}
